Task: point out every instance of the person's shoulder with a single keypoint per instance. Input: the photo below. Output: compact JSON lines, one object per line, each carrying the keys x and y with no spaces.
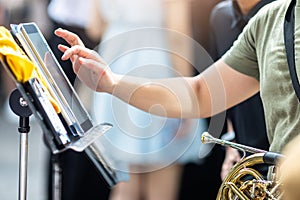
{"x":221,"y":11}
{"x":223,"y":6}
{"x":268,"y":14}
{"x":276,"y":7}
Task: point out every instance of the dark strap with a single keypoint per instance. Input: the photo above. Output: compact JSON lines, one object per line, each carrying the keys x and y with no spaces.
{"x":289,"y":24}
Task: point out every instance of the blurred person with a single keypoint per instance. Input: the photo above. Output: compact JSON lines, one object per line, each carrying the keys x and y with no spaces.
{"x":247,"y":120}
{"x":200,"y":13}
{"x":155,"y":147}
{"x":80,"y":179}
{"x":38,"y":14}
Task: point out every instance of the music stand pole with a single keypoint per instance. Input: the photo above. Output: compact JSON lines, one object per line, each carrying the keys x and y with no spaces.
{"x":56,"y":177}
{"x":20,"y":107}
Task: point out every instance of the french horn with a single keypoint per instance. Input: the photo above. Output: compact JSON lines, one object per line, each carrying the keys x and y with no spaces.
{"x":243,"y":181}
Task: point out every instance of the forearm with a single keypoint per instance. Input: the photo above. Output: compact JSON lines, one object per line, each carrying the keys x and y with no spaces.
{"x":177,"y":14}
{"x":201,"y":96}
{"x":172,"y":97}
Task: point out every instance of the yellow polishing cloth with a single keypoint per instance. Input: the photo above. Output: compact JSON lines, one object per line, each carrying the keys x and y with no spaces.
{"x":20,"y":65}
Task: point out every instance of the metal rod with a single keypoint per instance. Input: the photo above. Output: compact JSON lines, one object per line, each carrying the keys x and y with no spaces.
{"x":23,"y":161}
{"x":56,"y":177}
{"x":207,"y":138}
{"x":20,"y":107}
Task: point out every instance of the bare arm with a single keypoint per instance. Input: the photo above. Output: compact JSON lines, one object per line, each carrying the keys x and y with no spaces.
{"x":215,"y":90}
{"x":97,"y":24}
{"x":178,"y":20}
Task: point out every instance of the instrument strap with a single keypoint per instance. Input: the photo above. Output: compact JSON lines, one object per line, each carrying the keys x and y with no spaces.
{"x":289,"y":25}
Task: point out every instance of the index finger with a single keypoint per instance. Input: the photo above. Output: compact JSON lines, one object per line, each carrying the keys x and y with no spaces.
{"x":69,"y":37}
{"x":81,"y":52}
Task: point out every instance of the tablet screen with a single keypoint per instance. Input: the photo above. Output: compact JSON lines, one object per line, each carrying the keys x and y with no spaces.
{"x":71,"y":105}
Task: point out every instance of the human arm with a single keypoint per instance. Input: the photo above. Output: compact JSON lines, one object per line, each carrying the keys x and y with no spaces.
{"x":216,"y":89}
{"x":232,"y":156}
{"x":97,"y":24}
{"x":178,"y":21}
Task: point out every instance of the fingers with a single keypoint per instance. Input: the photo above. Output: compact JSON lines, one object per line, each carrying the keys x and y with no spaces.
{"x":62,"y":47}
{"x":75,"y":50}
{"x":226,"y":167}
{"x":231,"y":158}
{"x":80,"y":51}
{"x":69,"y":37}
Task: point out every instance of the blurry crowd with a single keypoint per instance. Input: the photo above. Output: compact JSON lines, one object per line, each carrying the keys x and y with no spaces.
{"x":99,"y":22}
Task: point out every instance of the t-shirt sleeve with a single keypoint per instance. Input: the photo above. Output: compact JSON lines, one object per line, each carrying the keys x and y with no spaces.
{"x":242,"y":55}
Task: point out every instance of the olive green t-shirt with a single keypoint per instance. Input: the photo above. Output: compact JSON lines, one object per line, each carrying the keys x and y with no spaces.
{"x":260,"y":52}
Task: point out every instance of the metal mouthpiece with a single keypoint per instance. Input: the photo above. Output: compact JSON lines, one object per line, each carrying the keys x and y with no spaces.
{"x":207,"y":138}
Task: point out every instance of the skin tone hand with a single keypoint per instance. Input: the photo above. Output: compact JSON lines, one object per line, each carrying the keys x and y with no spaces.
{"x":232,"y":156}
{"x":89,"y":66}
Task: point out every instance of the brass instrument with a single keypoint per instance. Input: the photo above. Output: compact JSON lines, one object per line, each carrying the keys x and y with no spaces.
{"x":243,"y":181}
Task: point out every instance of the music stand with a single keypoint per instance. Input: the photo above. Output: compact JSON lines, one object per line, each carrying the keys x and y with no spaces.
{"x":20,"y":107}
{"x":71,"y":127}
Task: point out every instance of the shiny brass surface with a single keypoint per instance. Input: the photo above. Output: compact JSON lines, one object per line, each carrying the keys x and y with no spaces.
{"x":243,"y":181}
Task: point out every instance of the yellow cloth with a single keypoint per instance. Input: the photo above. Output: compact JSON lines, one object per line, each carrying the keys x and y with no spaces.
{"x":20,"y":65}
